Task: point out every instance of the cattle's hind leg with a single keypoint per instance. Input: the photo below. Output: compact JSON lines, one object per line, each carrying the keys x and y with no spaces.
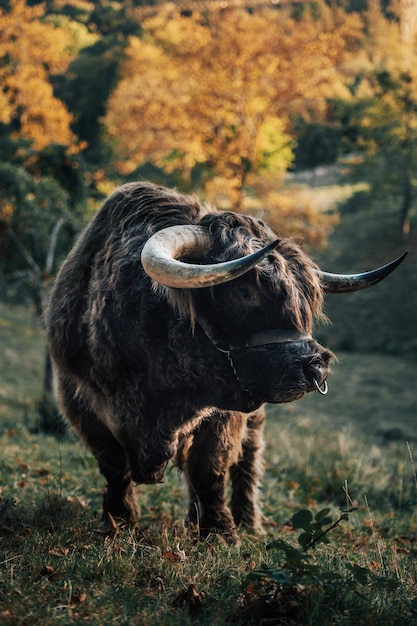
{"x":246,"y":474}
{"x":205,"y":458}
{"x":119,"y":499}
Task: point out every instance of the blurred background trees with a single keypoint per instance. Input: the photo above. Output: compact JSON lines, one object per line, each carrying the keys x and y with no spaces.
{"x":227,"y":99}
{"x":208,"y":97}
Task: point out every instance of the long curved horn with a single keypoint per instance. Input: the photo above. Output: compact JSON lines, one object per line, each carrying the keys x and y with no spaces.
{"x":341,"y":283}
{"x":161,"y":252}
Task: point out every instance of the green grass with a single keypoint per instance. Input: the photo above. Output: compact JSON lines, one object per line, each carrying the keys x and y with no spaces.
{"x":355,"y":448}
{"x":60,"y":564}
{"x":22,"y":352}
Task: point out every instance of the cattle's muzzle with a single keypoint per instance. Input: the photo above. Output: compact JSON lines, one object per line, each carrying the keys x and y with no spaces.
{"x":277,"y":365}
{"x":282,"y":370}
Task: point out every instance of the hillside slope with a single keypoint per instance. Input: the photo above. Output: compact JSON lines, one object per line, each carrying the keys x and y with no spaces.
{"x":384,"y":318}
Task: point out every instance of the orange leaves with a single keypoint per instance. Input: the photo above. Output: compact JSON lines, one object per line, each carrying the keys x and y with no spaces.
{"x":174,"y":556}
{"x":36,"y":40}
{"x":31,"y":50}
{"x":188,"y":36}
{"x":78,"y":599}
{"x":149,"y":99}
{"x":6,"y":208}
{"x":218,"y":90}
{"x":291,"y":211}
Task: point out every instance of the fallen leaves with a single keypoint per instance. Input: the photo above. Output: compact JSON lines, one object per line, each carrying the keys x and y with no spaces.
{"x":74,"y":600}
{"x":174,"y":556}
{"x":60,"y":551}
{"x":47,"y":571}
{"x":78,"y":599}
{"x":171,"y":556}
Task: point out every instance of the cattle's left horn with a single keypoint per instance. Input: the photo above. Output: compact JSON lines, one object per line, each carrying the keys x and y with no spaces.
{"x":161,"y":252}
{"x":344,"y":283}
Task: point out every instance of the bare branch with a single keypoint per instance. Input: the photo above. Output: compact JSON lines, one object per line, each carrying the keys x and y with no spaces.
{"x":52,"y":245}
{"x":36,"y":270}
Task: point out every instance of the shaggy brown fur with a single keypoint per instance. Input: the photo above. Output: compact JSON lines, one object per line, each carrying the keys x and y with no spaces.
{"x":142,"y":384}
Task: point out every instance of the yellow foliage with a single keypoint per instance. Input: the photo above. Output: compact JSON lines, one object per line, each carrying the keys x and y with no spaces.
{"x":79,"y":35}
{"x":6,"y":109}
{"x":218,"y":89}
{"x":273,"y":146}
{"x":33,"y":50}
{"x":290,"y":212}
{"x":6,"y":211}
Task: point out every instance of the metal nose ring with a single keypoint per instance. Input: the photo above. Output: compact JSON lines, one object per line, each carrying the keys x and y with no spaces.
{"x":323,"y":390}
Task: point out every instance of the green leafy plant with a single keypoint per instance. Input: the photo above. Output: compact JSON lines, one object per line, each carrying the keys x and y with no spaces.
{"x":314,"y":526}
{"x":297,"y":567}
{"x":299,"y":582}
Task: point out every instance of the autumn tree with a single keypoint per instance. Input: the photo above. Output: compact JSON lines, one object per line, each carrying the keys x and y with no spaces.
{"x":378,"y":118}
{"x":383,"y":125}
{"x":31,"y":50}
{"x":40,"y":164}
{"x":38,"y":150}
{"x":212,"y":94}
{"x":41,"y":168}
{"x":85,"y":88}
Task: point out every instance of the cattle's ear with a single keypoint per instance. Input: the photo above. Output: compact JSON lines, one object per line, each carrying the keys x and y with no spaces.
{"x":345,"y":283}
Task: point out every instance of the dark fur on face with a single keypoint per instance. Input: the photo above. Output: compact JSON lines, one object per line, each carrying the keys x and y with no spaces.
{"x":140,"y":379}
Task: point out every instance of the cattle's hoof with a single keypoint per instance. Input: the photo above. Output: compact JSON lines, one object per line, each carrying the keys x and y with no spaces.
{"x":212,"y":535}
{"x":124,"y":509}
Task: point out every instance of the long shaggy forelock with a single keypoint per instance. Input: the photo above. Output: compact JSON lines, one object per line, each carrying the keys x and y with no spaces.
{"x":235,"y":235}
{"x":289,"y":270}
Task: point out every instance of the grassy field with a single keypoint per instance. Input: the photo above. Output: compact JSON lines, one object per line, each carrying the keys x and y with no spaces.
{"x":353,"y":450}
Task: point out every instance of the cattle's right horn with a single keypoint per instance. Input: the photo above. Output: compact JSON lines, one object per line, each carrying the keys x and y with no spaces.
{"x":161,"y":254}
{"x":345,"y":283}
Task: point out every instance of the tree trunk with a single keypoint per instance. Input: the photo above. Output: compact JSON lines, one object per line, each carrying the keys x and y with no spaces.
{"x":406,"y":206}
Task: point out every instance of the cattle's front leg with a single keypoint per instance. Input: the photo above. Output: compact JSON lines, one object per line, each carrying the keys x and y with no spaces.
{"x":119,"y":498}
{"x":246,"y":474}
{"x":205,"y":459}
